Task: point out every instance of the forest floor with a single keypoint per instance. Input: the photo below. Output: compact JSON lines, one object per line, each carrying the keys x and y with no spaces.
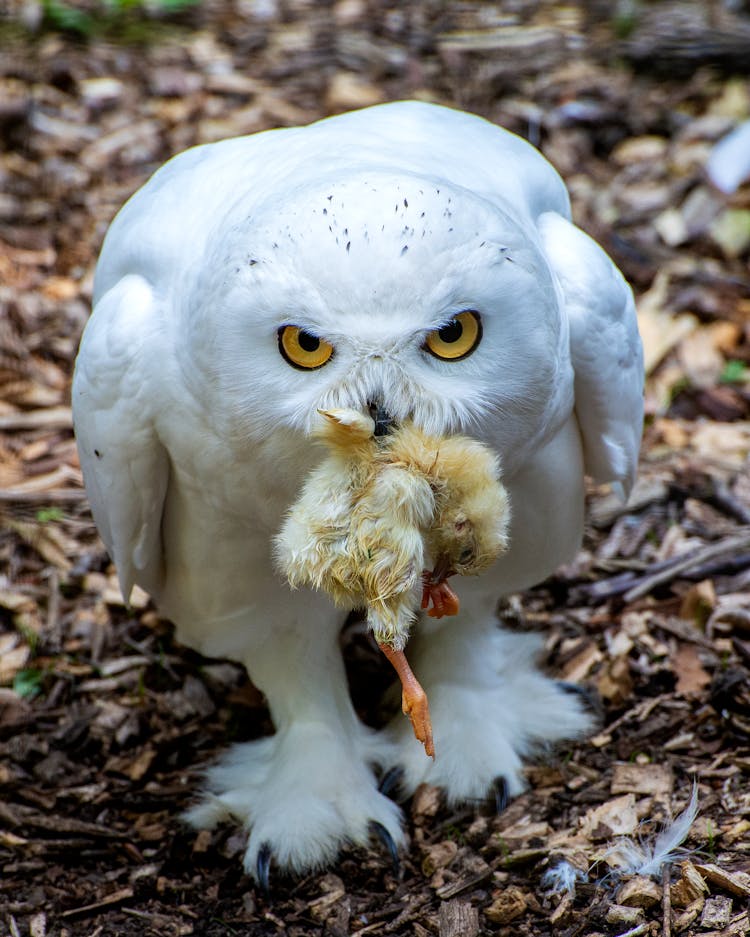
{"x":105,"y":721}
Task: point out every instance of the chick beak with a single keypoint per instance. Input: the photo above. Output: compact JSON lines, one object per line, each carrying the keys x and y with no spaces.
{"x":442,"y":568}
{"x":383,"y":419}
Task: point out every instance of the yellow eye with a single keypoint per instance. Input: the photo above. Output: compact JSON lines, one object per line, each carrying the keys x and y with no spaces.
{"x":457,"y":339}
{"x":302,"y":349}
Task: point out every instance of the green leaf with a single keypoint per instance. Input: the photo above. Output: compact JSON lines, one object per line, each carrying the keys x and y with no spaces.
{"x":28,"y":683}
{"x":64,"y":17}
{"x":734,"y":372}
{"x":45,"y":515}
{"x":174,"y":6}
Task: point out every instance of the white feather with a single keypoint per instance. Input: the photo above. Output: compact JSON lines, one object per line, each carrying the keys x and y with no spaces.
{"x":563,"y":878}
{"x":728,"y":163}
{"x":649,"y":858}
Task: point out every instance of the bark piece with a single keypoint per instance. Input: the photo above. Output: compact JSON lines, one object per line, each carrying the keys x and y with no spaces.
{"x":639,"y":892}
{"x":458,"y":919}
{"x":509,"y":904}
{"x":690,"y":886}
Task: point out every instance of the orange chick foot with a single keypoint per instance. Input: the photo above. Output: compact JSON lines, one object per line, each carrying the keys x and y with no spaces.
{"x":444,"y":599}
{"x":413,"y":698}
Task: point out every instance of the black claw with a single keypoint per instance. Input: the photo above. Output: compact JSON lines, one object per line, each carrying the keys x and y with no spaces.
{"x":387,"y":840}
{"x":263,"y":868}
{"x":390,"y":781}
{"x":502,"y":796}
{"x":589,"y":697}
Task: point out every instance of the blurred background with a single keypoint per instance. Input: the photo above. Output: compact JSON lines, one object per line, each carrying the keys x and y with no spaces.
{"x":644,"y":108}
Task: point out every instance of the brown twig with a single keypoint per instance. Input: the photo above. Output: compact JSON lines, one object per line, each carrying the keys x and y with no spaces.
{"x":666,"y":902}
{"x":50,"y":496}
{"x":684,"y":563}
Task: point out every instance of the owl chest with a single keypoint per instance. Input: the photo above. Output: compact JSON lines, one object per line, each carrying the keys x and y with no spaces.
{"x":242,"y":484}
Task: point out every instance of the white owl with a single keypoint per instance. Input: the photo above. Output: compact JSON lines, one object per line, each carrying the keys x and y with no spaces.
{"x":409,"y":257}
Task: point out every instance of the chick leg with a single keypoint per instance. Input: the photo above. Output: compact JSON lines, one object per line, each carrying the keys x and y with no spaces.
{"x":444,"y":599}
{"x":413,"y":698}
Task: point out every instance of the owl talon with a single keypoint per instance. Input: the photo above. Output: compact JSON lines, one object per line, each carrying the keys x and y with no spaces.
{"x":378,"y":830}
{"x":263,"y":869}
{"x":391,"y":781}
{"x":501,"y":792}
{"x":590,"y":699}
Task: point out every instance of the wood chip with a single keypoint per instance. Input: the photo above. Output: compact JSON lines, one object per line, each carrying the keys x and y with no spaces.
{"x":688,"y":916}
{"x":48,"y":418}
{"x":639,"y":892}
{"x":478,"y":874}
{"x":438,"y":856}
{"x":616,"y":817}
{"x":737,"y":883}
{"x":333,"y":891}
{"x":622,"y":914}
{"x":654,"y":779}
{"x":692,"y":676}
{"x":690,"y":887}
{"x":507,"y":906}
{"x":458,"y":919}
{"x":717,"y":912}
{"x":115,"y":898}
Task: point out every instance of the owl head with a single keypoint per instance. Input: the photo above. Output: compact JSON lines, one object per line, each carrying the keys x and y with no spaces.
{"x":431,"y":301}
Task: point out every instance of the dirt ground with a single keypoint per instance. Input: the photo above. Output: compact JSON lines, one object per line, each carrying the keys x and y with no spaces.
{"x":105,"y":721}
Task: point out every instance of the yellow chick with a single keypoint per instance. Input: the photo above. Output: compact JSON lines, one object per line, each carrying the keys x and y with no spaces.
{"x":372,"y":512}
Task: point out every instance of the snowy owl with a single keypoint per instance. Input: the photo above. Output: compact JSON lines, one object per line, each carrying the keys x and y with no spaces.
{"x":409,"y":260}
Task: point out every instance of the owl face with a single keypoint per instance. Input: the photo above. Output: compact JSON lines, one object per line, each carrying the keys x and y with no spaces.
{"x":421,"y":296}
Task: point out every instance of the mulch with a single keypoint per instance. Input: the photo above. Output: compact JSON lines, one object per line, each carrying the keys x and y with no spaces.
{"x":105,"y":721}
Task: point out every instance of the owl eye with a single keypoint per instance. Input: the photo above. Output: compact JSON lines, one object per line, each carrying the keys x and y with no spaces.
{"x":457,"y":339}
{"x":302,"y":349}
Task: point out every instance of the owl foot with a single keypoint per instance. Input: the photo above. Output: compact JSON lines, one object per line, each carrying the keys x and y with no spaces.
{"x":303,"y":795}
{"x":486,"y":720}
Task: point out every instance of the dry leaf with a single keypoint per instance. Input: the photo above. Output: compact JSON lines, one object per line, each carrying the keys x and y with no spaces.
{"x":698,"y":602}
{"x":701,"y":361}
{"x":615,"y":682}
{"x":14,"y":655}
{"x":617,"y":817}
{"x":660,"y":330}
{"x":692,"y":677}
{"x":642,"y":779}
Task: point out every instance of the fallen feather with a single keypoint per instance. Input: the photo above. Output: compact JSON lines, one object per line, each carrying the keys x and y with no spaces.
{"x":648,"y":859}
{"x":562,"y":878}
{"x":728,"y":165}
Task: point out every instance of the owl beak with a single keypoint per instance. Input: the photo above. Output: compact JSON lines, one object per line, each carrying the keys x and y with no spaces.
{"x":383,"y":419}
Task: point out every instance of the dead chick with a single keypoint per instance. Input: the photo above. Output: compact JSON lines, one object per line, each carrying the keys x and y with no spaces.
{"x":372,"y":512}
{"x":357,"y":529}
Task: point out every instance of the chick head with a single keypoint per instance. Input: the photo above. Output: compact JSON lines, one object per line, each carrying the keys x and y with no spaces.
{"x":469,"y":536}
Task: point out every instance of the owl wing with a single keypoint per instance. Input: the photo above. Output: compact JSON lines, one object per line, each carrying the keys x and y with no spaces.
{"x":605,"y":350}
{"x":124,"y":465}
